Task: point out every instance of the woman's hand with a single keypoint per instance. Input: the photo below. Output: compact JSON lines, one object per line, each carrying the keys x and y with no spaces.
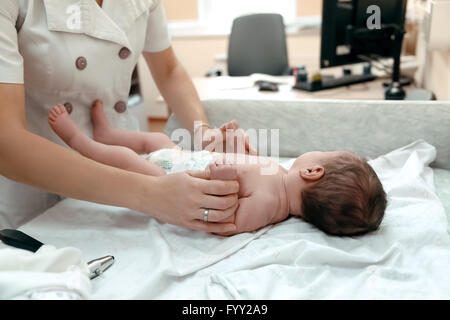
{"x":181,"y":198}
{"x":229,"y":138}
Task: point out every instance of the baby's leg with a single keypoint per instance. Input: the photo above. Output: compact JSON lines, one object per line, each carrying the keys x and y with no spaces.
{"x":140,"y":142}
{"x":221,"y":171}
{"x":115,"y":156}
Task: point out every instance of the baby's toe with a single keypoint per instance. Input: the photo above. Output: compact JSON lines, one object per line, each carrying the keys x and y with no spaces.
{"x":61,"y":109}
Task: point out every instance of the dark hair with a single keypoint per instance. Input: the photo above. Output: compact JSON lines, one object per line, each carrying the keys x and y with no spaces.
{"x":348,"y":200}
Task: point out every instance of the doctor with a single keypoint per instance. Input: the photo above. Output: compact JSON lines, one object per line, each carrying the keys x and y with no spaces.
{"x":74,"y":52}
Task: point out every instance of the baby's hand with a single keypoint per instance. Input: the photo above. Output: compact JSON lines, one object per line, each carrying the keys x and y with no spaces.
{"x":232,"y":125}
{"x":222,"y":171}
{"x":236,"y":139}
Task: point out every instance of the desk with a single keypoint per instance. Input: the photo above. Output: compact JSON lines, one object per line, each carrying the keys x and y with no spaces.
{"x":242,"y":88}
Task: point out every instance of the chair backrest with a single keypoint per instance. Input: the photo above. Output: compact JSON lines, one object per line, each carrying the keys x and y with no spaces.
{"x":258,"y":45}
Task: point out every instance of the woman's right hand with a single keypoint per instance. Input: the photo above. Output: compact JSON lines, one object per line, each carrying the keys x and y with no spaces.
{"x":181,"y":198}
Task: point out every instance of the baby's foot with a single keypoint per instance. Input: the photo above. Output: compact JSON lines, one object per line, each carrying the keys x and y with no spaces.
{"x":222,"y":171}
{"x":102,"y":129}
{"x":60,"y":121}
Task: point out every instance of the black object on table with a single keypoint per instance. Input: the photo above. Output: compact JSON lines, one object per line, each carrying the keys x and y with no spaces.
{"x":18,"y":239}
{"x":267,"y":86}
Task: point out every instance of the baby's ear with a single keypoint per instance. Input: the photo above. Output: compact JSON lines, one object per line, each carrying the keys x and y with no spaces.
{"x":313,"y":173}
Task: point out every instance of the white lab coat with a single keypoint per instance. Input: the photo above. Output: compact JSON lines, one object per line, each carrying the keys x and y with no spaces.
{"x":71,"y":52}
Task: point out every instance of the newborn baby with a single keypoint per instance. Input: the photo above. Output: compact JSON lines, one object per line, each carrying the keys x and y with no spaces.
{"x":337,"y":192}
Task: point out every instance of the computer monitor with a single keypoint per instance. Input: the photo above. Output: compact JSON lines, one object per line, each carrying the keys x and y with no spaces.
{"x":348,"y":38}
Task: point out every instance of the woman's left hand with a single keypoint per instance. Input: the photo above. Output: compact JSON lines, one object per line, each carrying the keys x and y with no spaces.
{"x":229,"y":138}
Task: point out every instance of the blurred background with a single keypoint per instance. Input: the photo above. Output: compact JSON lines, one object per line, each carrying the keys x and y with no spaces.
{"x":200,"y":31}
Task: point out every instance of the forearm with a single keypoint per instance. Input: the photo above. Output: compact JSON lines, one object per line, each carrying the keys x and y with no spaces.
{"x":36,"y":161}
{"x":176,"y":87}
{"x":181,"y":96}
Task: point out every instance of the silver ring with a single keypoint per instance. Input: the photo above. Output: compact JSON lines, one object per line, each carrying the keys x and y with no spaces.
{"x":205,"y":215}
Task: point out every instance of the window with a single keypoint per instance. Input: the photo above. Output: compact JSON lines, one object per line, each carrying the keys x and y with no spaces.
{"x":216,"y":16}
{"x":219,"y":14}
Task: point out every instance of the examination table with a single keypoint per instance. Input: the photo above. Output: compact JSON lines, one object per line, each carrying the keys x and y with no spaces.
{"x":407,"y":258}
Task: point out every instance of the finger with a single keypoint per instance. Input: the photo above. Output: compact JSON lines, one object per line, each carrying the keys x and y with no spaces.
{"x":232,"y":125}
{"x":53,"y":113}
{"x":225,"y":216}
{"x":205,"y":174}
{"x":225,"y":126}
{"x":230,"y":219}
{"x":219,"y":187}
{"x":239,"y":141}
{"x":59,"y":110}
{"x":226,"y":234}
{"x":219,"y":203}
{"x":249,"y":148}
{"x":213,"y":227}
{"x":252,"y":151}
{"x":97,"y":102}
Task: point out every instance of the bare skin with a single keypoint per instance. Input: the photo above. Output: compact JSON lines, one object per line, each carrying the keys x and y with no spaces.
{"x":119,"y":148}
{"x":264,"y":199}
{"x":109,"y":145}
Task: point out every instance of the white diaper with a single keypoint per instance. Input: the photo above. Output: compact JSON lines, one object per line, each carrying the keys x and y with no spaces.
{"x":176,"y":160}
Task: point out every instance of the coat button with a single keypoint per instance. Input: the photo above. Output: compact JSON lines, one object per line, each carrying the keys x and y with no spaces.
{"x":81,"y":63}
{"x":124,"y":53}
{"x":68,"y":107}
{"x":120,"y":107}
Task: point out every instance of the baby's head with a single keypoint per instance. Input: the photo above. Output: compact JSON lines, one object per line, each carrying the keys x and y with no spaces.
{"x":340,"y":193}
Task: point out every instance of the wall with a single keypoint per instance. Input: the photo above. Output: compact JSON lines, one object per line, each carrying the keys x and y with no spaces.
{"x":187,"y":9}
{"x":198,"y":54}
{"x":434,"y":73}
{"x":437,"y":74}
{"x":181,"y":10}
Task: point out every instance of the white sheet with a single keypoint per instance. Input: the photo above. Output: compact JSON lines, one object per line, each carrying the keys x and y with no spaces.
{"x":408,"y":258}
{"x":47,"y":273}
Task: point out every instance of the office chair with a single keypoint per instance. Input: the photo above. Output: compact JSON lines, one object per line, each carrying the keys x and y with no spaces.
{"x":257,"y":45}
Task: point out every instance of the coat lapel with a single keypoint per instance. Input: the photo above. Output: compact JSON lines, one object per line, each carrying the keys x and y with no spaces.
{"x":109,"y":23}
{"x":124,"y":13}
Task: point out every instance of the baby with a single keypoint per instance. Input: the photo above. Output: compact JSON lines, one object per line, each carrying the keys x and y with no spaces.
{"x":337,"y":192}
